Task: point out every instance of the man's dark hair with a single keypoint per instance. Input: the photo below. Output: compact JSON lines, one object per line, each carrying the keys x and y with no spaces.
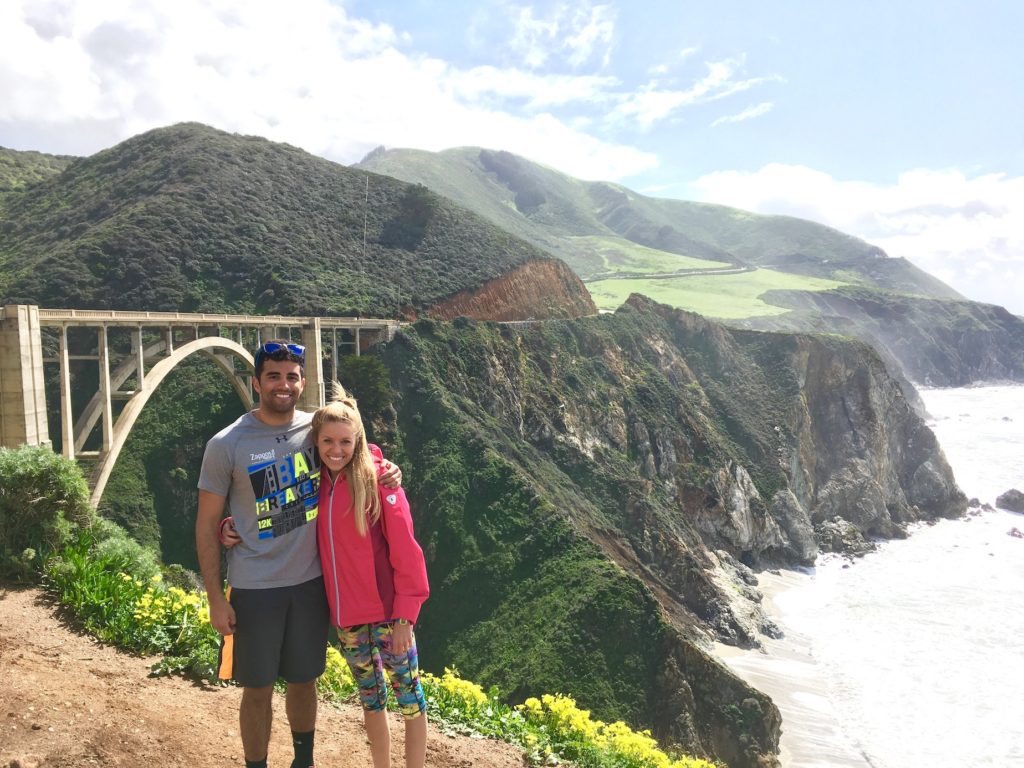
{"x":282,"y":350}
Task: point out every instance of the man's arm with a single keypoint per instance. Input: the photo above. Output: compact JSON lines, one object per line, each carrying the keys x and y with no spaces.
{"x":211,"y":507}
{"x":389,"y":475}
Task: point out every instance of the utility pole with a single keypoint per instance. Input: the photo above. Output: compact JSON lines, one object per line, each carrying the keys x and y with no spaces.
{"x":366,"y":205}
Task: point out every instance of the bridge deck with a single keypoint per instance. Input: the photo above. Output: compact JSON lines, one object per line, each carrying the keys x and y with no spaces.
{"x":58,"y":317}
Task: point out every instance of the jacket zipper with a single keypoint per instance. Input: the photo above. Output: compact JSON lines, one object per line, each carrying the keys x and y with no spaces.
{"x":334,"y":564}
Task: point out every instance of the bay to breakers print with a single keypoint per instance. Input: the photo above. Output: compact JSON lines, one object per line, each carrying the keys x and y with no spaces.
{"x":286,"y":492}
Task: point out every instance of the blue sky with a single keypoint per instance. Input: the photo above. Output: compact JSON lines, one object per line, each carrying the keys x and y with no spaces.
{"x":900,"y":122}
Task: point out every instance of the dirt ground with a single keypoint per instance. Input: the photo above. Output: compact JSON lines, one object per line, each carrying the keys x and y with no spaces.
{"x":67,"y":700}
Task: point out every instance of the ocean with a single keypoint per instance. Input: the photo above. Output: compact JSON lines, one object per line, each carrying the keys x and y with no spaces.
{"x":913,"y":656}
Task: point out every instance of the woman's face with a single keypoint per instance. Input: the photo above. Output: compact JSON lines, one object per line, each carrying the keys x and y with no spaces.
{"x":336,"y":442}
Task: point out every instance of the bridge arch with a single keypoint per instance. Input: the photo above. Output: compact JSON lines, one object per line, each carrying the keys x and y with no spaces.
{"x":216,"y":348}
{"x":23,"y":407}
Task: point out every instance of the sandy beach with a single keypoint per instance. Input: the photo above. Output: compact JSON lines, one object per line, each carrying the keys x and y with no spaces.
{"x":786,"y":671}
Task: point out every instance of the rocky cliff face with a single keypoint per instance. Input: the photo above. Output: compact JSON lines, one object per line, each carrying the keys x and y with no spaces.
{"x":937,"y":342}
{"x":656,"y":454}
{"x":537,"y":290}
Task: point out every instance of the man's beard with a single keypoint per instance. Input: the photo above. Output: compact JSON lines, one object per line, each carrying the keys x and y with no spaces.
{"x":277,"y":406}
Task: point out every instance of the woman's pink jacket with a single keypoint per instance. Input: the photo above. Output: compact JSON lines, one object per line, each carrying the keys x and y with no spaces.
{"x":378,"y":577}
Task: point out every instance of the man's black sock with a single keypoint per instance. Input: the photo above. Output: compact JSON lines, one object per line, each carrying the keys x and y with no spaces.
{"x":303,"y":743}
{"x":256,"y":763}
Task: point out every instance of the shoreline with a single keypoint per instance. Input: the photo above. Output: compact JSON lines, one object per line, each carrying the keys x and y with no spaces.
{"x":982,"y":444}
{"x":787,"y":671}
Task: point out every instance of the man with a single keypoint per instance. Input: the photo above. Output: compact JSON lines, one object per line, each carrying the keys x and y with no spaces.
{"x":274,"y":618}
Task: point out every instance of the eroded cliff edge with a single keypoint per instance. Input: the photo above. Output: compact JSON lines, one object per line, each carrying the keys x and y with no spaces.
{"x":593,"y":493}
{"x":536,"y":290}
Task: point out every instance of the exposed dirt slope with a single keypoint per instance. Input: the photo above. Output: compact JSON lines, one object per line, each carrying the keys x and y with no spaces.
{"x":537,"y":290}
{"x":67,"y":700}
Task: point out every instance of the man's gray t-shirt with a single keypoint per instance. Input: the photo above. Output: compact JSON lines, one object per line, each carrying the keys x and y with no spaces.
{"x":271,"y":478}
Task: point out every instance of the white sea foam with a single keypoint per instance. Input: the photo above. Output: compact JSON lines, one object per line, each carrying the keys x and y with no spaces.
{"x":914,"y":656}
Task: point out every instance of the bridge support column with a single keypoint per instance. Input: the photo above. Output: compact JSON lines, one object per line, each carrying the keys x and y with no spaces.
{"x":22,"y":394}
{"x":314,"y":395}
{"x":67,"y":420}
{"x":107,"y":413}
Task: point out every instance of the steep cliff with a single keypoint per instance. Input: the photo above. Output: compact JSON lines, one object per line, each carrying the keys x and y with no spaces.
{"x":938,"y":342}
{"x":537,"y":290}
{"x":592,"y":494}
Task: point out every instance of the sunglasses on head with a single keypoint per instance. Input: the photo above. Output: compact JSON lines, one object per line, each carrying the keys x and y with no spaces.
{"x":273,"y":347}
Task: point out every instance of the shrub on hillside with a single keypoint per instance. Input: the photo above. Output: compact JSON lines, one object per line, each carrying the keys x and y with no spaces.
{"x":114,"y":544}
{"x":115,"y":588}
{"x":43,"y":498}
{"x":366,"y":378}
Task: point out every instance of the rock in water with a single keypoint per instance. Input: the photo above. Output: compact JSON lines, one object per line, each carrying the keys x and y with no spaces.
{"x":1012,"y":500}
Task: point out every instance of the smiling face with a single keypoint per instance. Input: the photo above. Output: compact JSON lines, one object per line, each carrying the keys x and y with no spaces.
{"x":279,"y":386}
{"x":336,"y":442}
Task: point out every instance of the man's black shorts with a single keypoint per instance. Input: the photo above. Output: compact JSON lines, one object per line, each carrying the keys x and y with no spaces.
{"x":279,"y":632}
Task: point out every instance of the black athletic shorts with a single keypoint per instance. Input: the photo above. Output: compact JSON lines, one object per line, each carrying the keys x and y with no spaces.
{"x":279,"y":632}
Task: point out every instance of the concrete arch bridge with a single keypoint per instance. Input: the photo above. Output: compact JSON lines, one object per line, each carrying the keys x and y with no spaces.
{"x":139,"y":350}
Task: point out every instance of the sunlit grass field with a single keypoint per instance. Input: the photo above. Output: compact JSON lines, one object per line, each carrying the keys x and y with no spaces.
{"x":729,"y":296}
{"x":621,"y":255}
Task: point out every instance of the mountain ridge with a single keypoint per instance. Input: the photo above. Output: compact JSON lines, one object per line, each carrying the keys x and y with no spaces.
{"x":887,"y":302}
{"x":679,"y":226}
{"x":190,"y":218}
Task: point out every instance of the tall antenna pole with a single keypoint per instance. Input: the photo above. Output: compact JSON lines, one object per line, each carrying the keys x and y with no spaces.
{"x":366,"y":205}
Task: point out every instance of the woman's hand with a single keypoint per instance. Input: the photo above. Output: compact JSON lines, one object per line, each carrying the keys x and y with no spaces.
{"x":228,"y":535}
{"x":401,"y":638}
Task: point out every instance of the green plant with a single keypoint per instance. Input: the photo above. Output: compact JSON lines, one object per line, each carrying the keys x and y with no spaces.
{"x":43,"y":499}
{"x":549,"y":729}
{"x":366,"y":377}
{"x":114,"y":588}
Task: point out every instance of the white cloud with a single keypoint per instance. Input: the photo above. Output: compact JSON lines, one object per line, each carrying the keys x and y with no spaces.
{"x":747,"y":114}
{"x":576,"y":32}
{"x":77,"y":76}
{"x":653,"y":103}
{"x":967,"y":231}
{"x":531,"y":37}
{"x":538,"y":91}
{"x":592,"y":30}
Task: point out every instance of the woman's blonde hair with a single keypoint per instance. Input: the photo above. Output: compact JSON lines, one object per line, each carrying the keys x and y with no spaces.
{"x":360,"y":471}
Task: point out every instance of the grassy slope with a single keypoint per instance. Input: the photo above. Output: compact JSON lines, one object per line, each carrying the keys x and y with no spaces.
{"x":564,"y":215}
{"x":727,"y":296}
{"x":597,"y":227}
{"x":554,"y":208}
{"x":621,"y":255}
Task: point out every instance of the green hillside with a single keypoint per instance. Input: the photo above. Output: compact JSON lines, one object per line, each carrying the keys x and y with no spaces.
{"x":725,"y":296}
{"x":21,"y":169}
{"x":568,"y":479}
{"x":749,"y":269}
{"x":554,"y":210}
{"x":193,"y":219}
